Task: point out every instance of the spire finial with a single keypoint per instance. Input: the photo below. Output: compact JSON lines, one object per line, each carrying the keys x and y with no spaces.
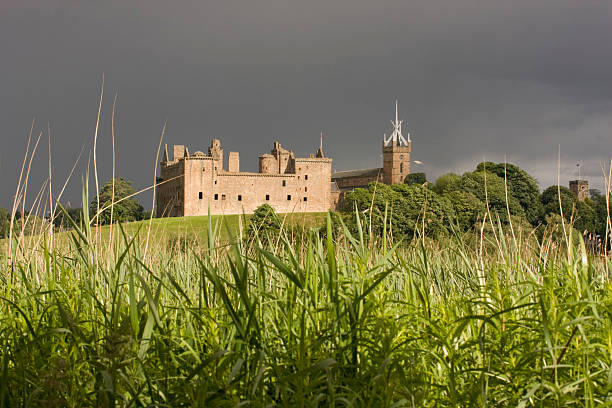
{"x":396,"y":111}
{"x":397,"y":138}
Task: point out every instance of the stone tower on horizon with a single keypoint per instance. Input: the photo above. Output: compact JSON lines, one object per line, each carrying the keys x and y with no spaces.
{"x":396,"y":153}
{"x":579,"y":187}
{"x":396,"y":162}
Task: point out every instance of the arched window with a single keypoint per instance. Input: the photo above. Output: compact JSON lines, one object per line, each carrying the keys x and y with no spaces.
{"x":401,"y":167}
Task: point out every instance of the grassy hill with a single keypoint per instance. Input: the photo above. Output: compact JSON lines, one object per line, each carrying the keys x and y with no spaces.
{"x":192,"y":228}
{"x":196,"y":227}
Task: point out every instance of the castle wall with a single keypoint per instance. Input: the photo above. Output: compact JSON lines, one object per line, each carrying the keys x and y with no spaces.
{"x":207,"y":185}
{"x":346,"y":183}
{"x":169,"y":194}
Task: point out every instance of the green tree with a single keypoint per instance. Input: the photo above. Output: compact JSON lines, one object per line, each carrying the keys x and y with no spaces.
{"x":585,"y":214}
{"x":495,"y":193}
{"x":423,"y":208}
{"x":522,"y":186}
{"x":550,"y":201}
{"x":125,"y":211}
{"x":415,"y":178}
{"x":468,"y":208}
{"x":446,"y":183}
{"x":5,"y":222}
{"x":409,"y":208}
{"x":61,"y":221}
{"x":264,"y":223}
{"x":601,"y":210}
{"x":585,"y":217}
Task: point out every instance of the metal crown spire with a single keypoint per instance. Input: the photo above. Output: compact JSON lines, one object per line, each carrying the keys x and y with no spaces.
{"x":396,"y":111}
{"x":397,"y":138}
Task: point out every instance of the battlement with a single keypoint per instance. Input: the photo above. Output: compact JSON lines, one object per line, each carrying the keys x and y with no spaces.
{"x":199,"y":181}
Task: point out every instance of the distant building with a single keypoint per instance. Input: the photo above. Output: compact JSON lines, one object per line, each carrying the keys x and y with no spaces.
{"x":191,"y":184}
{"x":396,"y":162}
{"x":580,"y":188}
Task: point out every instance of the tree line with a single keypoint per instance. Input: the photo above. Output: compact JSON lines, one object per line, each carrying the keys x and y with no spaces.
{"x":126,"y":208}
{"x":463,"y":202}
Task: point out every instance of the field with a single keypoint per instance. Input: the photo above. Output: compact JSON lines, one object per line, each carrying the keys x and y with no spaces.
{"x":329,"y":318}
{"x":187,"y":229}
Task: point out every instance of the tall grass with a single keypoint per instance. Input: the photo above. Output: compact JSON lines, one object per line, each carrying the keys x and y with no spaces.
{"x":323,"y":319}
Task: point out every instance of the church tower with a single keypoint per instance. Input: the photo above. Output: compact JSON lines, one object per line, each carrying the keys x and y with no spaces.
{"x":396,"y":154}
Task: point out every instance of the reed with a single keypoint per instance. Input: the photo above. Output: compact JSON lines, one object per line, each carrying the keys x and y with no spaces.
{"x":328,"y":318}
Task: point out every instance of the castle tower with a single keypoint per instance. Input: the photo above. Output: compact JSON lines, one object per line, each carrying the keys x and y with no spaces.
{"x":216,"y":152}
{"x":580,"y":188}
{"x":396,"y":154}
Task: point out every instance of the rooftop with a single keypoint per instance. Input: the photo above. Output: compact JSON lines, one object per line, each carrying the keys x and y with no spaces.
{"x":358,"y":173}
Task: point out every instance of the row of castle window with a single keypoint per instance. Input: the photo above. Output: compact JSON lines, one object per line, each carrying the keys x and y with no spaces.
{"x":200,"y":196}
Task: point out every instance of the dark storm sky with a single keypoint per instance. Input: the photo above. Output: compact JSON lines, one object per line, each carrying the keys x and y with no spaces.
{"x":474,"y":79}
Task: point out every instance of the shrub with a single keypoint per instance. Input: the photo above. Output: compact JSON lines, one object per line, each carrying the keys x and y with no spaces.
{"x":264,"y":223}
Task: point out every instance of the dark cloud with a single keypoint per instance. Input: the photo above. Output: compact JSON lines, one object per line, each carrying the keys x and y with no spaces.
{"x":476,"y":80}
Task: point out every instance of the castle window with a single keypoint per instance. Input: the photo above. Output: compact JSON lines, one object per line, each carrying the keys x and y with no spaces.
{"x":239,"y":197}
{"x":215,"y":168}
{"x":306,"y":177}
{"x":216,"y":196}
{"x":305,"y":190}
{"x":284,"y":183}
{"x":223,"y":196}
{"x":200,"y":195}
{"x":401,"y":167}
{"x":305,"y":198}
{"x":267,"y":197}
{"x":215,"y":181}
{"x":289,"y":197}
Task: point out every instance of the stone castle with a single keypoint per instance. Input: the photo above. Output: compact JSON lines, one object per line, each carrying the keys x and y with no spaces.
{"x":191,"y":184}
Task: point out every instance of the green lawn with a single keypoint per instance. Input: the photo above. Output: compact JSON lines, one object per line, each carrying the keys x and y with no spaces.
{"x":195,"y":228}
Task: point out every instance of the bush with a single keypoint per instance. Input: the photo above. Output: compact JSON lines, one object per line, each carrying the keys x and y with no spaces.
{"x":264,"y":223}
